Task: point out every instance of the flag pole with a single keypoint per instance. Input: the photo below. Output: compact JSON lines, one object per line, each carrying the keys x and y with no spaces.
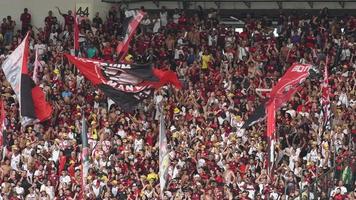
{"x":163,"y":151}
{"x":84,"y":156}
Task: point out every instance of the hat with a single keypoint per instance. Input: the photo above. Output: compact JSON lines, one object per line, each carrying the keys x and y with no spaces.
{"x":128,"y":57}
{"x":176,"y":110}
{"x":173,"y":128}
{"x":238,"y":117}
{"x":56,"y":71}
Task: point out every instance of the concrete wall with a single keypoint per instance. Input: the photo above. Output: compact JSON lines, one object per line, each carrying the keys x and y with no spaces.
{"x":39,"y":8}
{"x":254,"y":5}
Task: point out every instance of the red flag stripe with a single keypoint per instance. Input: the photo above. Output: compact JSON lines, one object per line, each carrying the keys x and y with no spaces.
{"x":123,"y":47}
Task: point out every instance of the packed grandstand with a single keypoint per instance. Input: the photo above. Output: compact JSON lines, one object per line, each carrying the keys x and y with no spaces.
{"x":224,"y":74}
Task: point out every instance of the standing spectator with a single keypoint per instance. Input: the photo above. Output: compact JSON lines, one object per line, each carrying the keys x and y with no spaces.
{"x":26,"y":21}
{"x":50,"y":22}
{"x":97,"y":21}
{"x":163,"y":16}
{"x":68,"y":19}
{"x":10,"y":26}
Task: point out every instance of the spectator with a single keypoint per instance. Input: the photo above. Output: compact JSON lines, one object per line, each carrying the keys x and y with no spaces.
{"x":9,"y":30}
{"x":26,"y":21}
{"x":68,"y":19}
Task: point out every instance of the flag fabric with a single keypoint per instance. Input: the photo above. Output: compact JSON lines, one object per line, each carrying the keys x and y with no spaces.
{"x":110,"y":103}
{"x":258,"y":116}
{"x":166,"y":77}
{"x":129,"y":28}
{"x":125,"y":84}
{"x":76,"y":34}
{"x":163,"y":151}
{"x":33,"y":105}
{"x":286,"y":87}
{"x":289,"y":84}
{"x":271,"y":128}
{"x":85,"y":155}
{"x":2,"y":123}
{"x":35,"y":69}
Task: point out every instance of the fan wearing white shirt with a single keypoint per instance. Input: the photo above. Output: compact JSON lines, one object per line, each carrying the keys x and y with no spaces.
{"x":163,"y":16}
{"x":40,"y":47}
{"x":343,"y":189}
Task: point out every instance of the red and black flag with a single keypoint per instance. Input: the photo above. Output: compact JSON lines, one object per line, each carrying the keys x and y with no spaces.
{"x":33,"y":105}
{"x":125,"y":84}
{"x":129,"y":28}
{"x":286,"y":87}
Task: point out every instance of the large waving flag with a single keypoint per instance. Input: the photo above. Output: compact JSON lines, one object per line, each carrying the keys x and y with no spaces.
{"x":163,"y":151}
{"x":33,"y":105}
{"x":289,"y":84}
{"x":283,"y":91}
{"x":85,"y":155}
{"x":125,"y":84}
{"x":129,"y":28}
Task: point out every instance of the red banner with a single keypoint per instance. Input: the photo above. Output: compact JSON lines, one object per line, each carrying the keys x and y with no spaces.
{"x":289,"y":84}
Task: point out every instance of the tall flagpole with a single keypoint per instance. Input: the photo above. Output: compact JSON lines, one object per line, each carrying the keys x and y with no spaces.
{"x":85,"y":156}
{"x":163,"y":151}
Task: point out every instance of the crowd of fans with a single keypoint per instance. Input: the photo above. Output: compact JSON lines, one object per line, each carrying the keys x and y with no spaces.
{"x":211,"y":157}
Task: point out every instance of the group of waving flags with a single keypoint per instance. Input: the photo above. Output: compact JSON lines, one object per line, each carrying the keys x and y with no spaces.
{"x":127,"y":84}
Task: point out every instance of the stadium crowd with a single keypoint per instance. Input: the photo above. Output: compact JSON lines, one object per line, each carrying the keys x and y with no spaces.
{"x":211,"y":157}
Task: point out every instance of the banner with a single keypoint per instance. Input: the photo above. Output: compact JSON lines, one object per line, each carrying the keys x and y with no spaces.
{"x":289,"y":84}
{"x":125,"y":84}
{"x":33,"y":105}
{"x":130,"y":25}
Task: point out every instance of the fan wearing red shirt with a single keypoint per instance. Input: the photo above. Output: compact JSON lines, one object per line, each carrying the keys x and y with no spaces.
{"x":26,"y":20}
{"x":49,"y":22}
{"x":107,"y":52}
{"x":68,"y":19}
